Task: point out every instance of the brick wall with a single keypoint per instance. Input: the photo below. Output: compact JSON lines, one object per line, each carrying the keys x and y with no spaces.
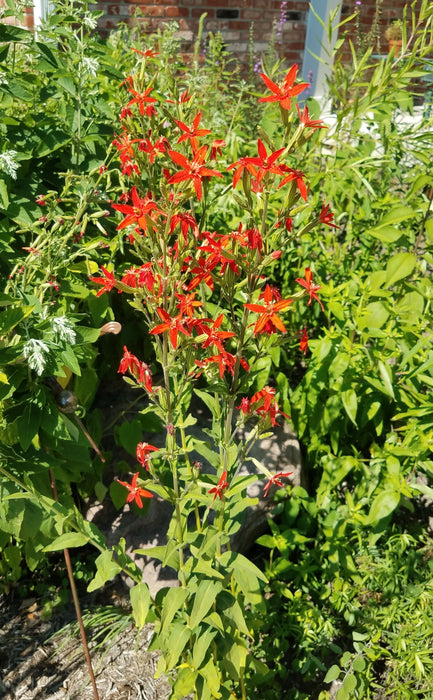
{"x":235,"y":18}
{"x":232,"y":18}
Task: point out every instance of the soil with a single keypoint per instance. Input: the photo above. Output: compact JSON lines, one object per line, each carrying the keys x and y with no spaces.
{"x":35,"y":665}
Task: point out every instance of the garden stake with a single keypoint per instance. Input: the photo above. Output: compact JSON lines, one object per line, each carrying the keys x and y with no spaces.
{"x":76,"y":602}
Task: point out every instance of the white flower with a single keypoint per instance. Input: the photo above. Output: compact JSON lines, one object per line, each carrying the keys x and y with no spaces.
{"x":90,"y":65}
{"x":8,"y":164}
{"x":36,"y":351}
{"x":90,"y":22}
{"x":63,"y":329}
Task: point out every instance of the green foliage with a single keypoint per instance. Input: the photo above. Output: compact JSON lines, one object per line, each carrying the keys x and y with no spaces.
{"x":345,"y":593}
{"x":352,"y":555}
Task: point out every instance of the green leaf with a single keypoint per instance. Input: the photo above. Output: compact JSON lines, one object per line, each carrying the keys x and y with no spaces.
{"x":350,"y":403}
{"x":349,"y":683}
{"x":11,"y":317}
{"x":212,"y":678}
{"x":237,"y":656}
{"x":67,"y":541}
{"x":4,"y":196}
{"x":185,"y":684}
{"x":69,"y":359}
{"x":399,"y":267}
{"x":9,"y":32}
{"x":210,"y":401}
{"x":386,"y":234}
{"x":332,"y":674}
{"x":397,"y":214}
{"x":51,"y":141}
{"x":107,"y":569}
{"x":373,"y":316}
{"x":429,"y":229}
{"x":231,"y":610}
{"x":47,"y":54}
{"x":236,"y":561}
{"x":28,"y":423}
{"x":174,"y":642}
{"x":202,"y":645}
{"x":140,"y":601}
{"x":385,"y":374}
{"x":67,"y":84}
{"x":205,"y":596}
{"x":129,"y":434}
{"x":383,"y":505}
{"x":342,"y":694}
{"x":359,"y":664}
{"x":173,"y":601}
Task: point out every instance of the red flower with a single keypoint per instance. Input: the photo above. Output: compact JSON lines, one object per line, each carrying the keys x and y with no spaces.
{"x":264,"y":404}
{"x":139,"y":370}
{"x":226,"y":362}
{"x":219,"y":488}
{"x":241,"y":165}
{"x":265,"y":162}
{"x":297,"y":175}
{"x":275,"y":479}
{"x":137,"y":212}
{"x":202,"y":272}
{"x":187,"y":304}
{"x":130,"y":277}
{"x":303,"y":343}
{"x":194,"y":170}
{"x":214,"y":336}
{"x":306,"y":121}
{"x":254,"y":239}
{"x":143,"y":100}
{"x":128,"y":362}
{"x":135,"y":492}
{"x":40,"y":199}
{"x":108,"y":281}
{"x":326,"y":216}
{"x":284,"y":93}
{"x":186,"y":222}
{"x":126,"y":154}
{"x":149,"y":53}
{"x":216,"y":147}
{"x":172,"y":325}
{"x":311,"y":288}
{"x":142,"y":453}
{"x":268,"y":321}
{"x":147,"y":277}
{"x":192,"y":133}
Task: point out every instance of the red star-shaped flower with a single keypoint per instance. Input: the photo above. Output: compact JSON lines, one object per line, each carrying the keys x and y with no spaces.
{"x":283,"y":93}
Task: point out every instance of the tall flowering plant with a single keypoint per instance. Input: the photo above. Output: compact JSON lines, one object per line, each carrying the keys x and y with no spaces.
{"x":208,"y":303}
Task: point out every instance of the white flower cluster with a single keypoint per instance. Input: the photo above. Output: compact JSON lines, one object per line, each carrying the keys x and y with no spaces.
{"x":36,"y":353}
{"x":63,"y":329}
{"x":89,"y":21}
{"x":90,"y":65}
{"x":8,"y":164}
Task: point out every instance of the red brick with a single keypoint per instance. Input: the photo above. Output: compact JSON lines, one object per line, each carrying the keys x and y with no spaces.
{"x":198,"y":13}
{"x":238,"y":24}
{"x":251,"y":14}
{"x":153,"y":11}
{"x":188,"y":24}
{"x":177,"y":12}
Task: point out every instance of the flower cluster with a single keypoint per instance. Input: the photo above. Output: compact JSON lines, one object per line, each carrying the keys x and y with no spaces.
{"x":205,"y":294}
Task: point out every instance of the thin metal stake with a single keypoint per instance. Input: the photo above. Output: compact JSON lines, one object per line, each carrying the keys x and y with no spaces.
{"x":76,"y":603}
